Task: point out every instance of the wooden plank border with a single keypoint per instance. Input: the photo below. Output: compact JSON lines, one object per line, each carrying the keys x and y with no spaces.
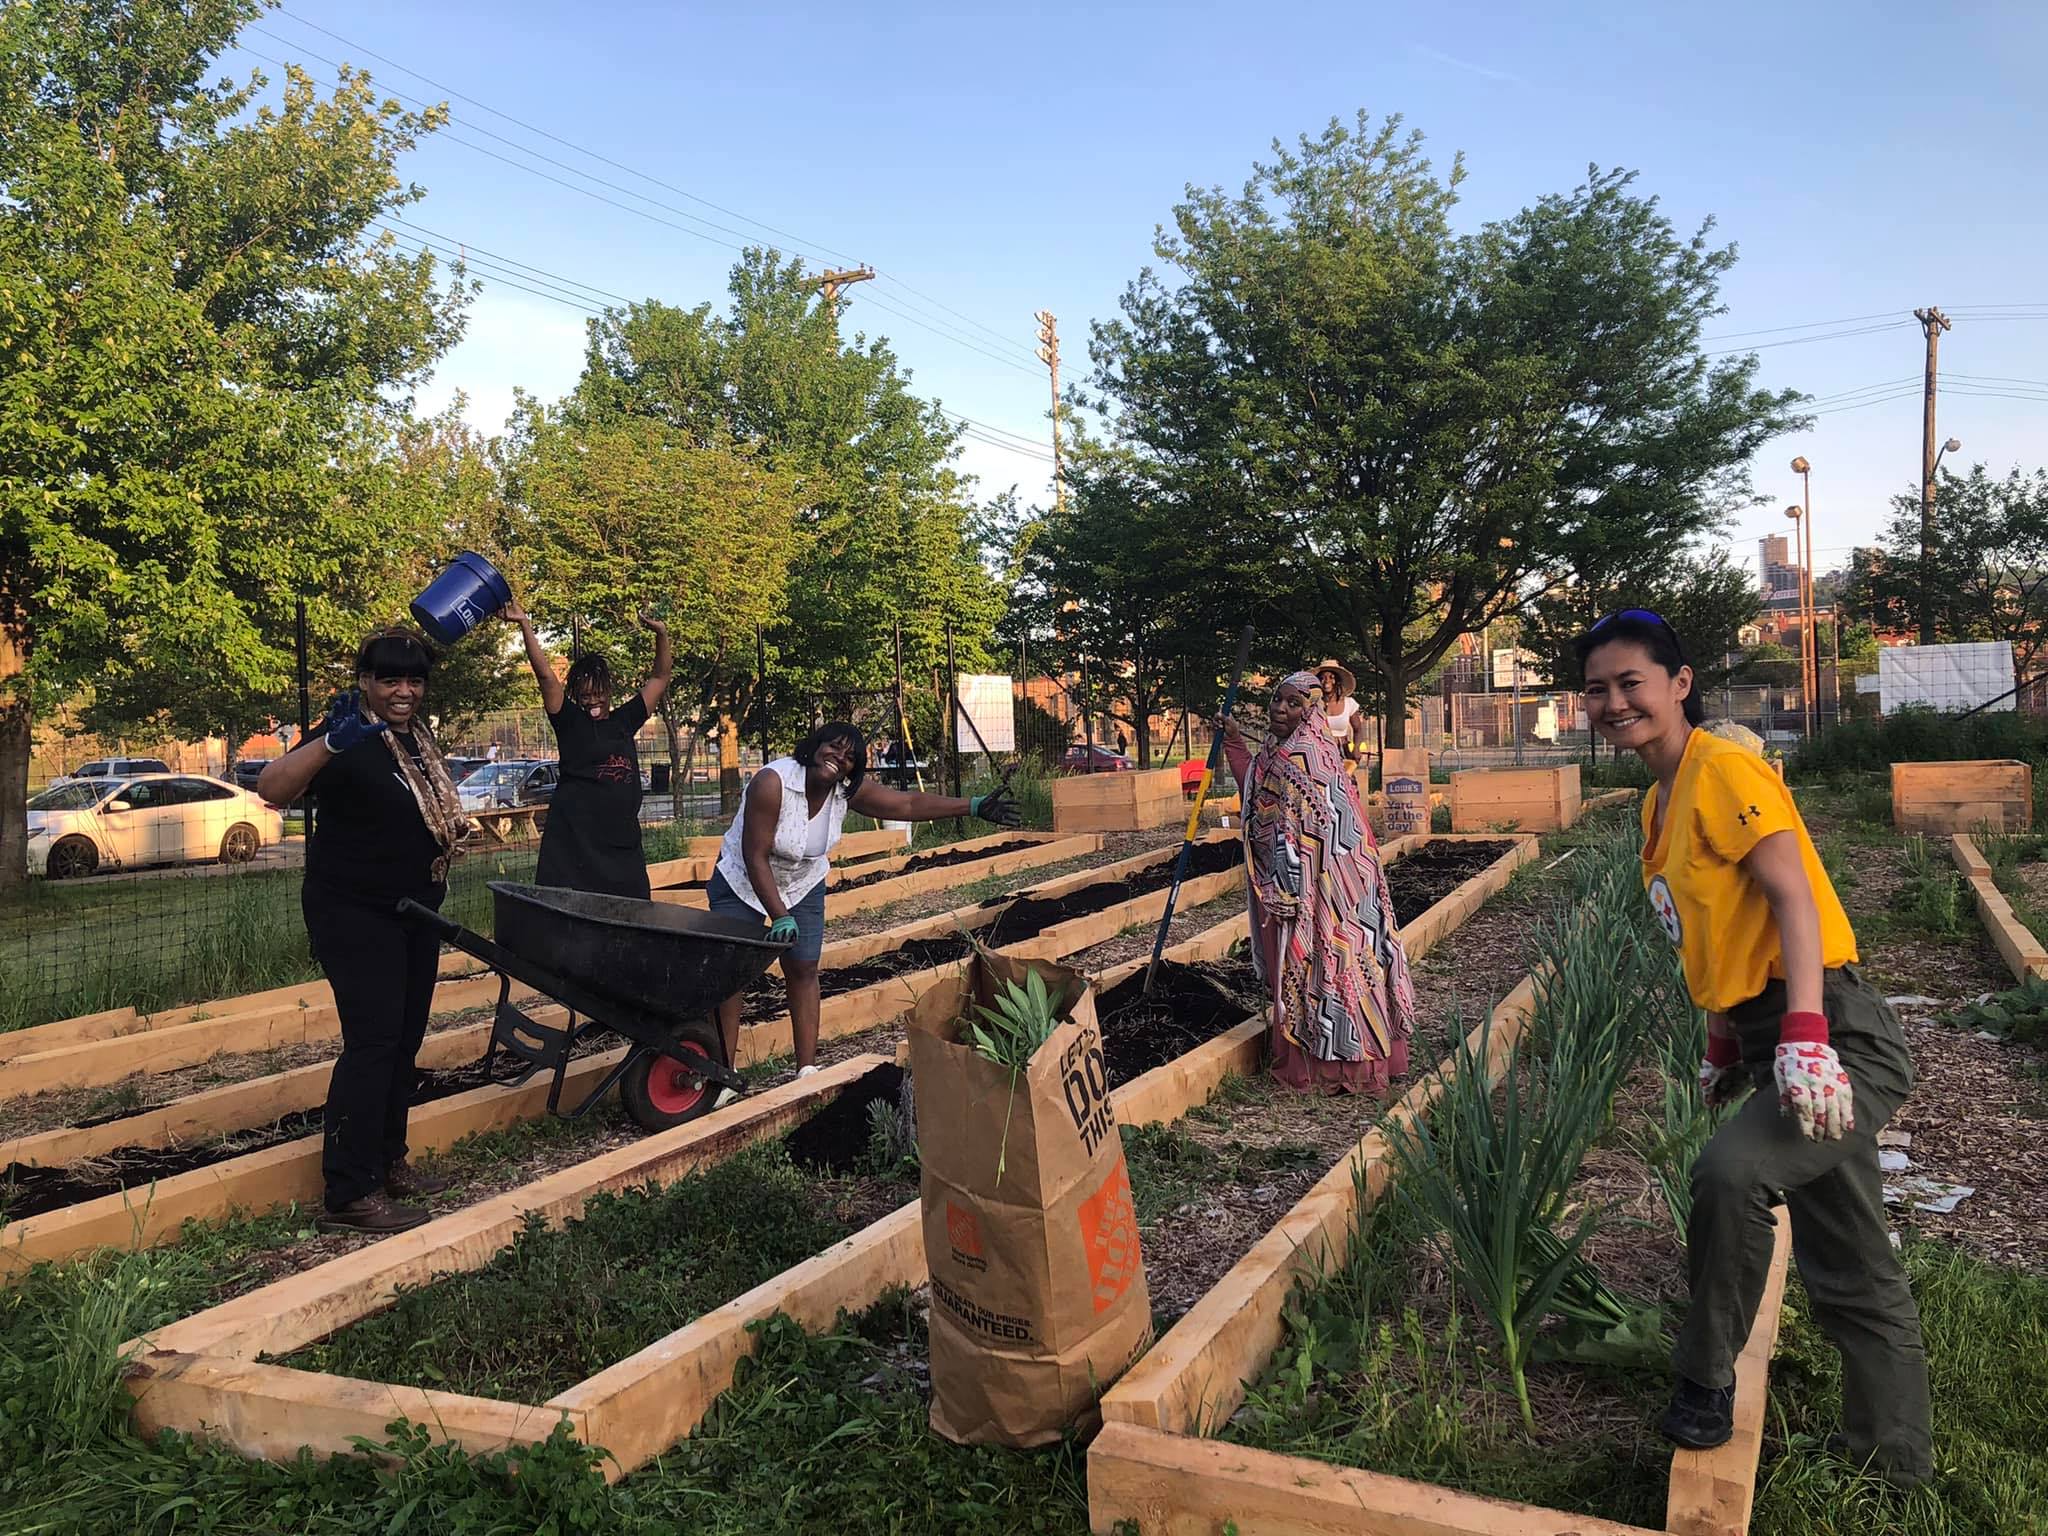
{"x":917,"y":882}
{"x":151,"y":1214}
{"x":198,"y":1375}
{"x":2023,"y":953}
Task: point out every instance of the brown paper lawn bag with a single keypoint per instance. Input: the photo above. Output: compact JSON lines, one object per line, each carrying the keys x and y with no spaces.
{"x":1039,"y":1299}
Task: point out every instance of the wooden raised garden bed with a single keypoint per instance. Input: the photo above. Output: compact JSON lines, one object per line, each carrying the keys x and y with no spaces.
{"x":202,"y":1375}
{"x":1151,"y":1466}
{"x":1524,"y":799}
{"x":863,"y":887}
{"x":1117,"y":802}
{"x":700,"y":855}
{"x":907,"y":961}
{"x":2022,"y":952}
{"x":1960,"y":797}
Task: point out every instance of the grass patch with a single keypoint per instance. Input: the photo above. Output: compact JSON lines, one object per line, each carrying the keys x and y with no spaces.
{"x":1169,"y":1168}
{"x":560,"y":1305}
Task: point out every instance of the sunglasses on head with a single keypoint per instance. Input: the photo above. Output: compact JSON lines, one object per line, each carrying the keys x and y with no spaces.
{"x":1643,"y":615}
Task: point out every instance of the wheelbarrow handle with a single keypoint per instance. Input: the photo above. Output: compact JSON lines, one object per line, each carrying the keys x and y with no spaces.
{"x":447,"y":927}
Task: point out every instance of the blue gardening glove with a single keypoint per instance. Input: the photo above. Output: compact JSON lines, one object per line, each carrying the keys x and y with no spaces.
{"x":346,"y":726}
{"x":782,"y":930}
{"x":995,"y":806}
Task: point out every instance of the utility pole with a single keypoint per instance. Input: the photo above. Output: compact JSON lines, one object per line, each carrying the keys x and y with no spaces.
{"x":830,"y":281}
{"x":1933,"y":322}
{"x":1049,"y":354}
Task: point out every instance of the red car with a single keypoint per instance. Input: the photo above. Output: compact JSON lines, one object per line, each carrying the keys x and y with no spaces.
{"x":1086,"y":759}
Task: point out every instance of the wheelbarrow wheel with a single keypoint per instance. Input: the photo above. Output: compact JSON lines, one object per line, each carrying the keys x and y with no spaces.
{"x":660,"y":1093}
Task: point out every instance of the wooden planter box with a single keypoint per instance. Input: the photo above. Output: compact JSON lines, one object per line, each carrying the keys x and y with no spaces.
{"x":204,"y":1376}
{"x":1958,"y":797}
{"x":1117,"y":802}
{"x":1528,"y":799}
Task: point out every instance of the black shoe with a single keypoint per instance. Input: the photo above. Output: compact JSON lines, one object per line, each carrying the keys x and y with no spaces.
{"x":405,"y":1182}
{"x":372,"y":1213}
{"x":1699,"y":1418}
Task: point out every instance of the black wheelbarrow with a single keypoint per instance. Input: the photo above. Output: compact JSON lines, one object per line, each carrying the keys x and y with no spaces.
{"x":646,"y":970}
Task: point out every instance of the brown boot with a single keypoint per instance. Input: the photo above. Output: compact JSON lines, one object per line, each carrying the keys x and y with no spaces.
{"x":405,"y":1182}
{"x":372,"y":1213}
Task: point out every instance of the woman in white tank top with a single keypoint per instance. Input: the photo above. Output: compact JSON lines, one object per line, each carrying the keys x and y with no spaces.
{"x":773,"y":862}
{"x":1340,"y":709}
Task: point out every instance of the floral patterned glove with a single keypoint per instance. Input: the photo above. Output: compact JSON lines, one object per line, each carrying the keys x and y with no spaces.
{"x":1812,"y":1087}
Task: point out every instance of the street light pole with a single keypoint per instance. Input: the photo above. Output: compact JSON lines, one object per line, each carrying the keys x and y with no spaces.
{"x":1798,"y":517}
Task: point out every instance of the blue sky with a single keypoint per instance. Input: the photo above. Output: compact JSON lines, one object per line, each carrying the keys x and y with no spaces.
{"x":1865,"y":158}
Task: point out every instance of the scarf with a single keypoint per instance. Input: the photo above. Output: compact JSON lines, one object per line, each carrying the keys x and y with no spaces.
{"x":433,"y":791}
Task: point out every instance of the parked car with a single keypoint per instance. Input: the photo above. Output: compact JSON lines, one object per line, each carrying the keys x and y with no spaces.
{"x":1082,"y":758}
{"x":101,"y":769}
{"x":501,"y":786}
{"x":246,"y":771}
{"x":460,"y":768}
{"x":92,"y":824}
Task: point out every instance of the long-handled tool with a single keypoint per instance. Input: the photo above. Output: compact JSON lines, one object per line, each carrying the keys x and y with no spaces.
{"x":1187,"y":842}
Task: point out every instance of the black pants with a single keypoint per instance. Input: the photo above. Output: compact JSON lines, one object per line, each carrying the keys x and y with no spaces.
{"x":382,"y":970}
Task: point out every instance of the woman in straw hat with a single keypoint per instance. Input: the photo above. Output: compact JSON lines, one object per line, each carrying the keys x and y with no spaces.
{"x":1323,"y":935}
{"x":1340,"y":709}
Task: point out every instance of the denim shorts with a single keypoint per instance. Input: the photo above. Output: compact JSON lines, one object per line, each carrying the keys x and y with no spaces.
{"x":809,"y":914}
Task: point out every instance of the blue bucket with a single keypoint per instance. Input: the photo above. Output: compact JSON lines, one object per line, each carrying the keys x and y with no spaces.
{"x":469,"y":591}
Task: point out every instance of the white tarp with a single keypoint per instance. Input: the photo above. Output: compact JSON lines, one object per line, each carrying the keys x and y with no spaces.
{"x":1946,"y":677}
{"x":987,"y":704}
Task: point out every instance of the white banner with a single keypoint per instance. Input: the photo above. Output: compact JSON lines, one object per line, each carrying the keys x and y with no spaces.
{"x":1946,"y":677}
{"x":987,"y":704}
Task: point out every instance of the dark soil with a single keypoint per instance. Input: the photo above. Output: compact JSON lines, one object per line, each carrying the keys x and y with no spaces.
{"x":768,"y":997}
{"x":1425,"y":877}
{"x":27,"y":1190}
{"x":1028,"y":915}
{"x":938,"y":860}
{"x":1189,"y":1004}
{"x":834,"y":1139}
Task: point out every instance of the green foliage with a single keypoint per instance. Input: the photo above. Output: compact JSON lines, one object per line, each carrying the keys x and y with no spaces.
{"x":201,"y":343}
{"x":2018,"y":1015}
{"x":1314,"y":377}
{"x":1022,"y":1018}
{"x":1706,"y":596}
{"x":1987,"y":574}
{"x":1932,"y":896}
{"x":892,"y":1143}
{"x":559,"y":1306}
{"x":1917,"y":735}
{"x":887,"y":532}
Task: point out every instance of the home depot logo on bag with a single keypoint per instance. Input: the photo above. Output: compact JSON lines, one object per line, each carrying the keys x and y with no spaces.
{"x":1109,"y":1232}
{"x":963,"y":1230}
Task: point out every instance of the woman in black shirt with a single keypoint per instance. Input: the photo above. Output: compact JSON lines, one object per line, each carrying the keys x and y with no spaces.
{"x":592,"y":840}
{"x":387,"y":824}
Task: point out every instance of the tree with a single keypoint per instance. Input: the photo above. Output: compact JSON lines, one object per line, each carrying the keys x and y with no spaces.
{"x":1705,"y":596}
{"x":1987,"y":572}
{"x":192,"y":316}
{"x":1113,"y":587}
{"x":630,"y":514}
{"x":887,"y":523}
{"x":1420,"y":423}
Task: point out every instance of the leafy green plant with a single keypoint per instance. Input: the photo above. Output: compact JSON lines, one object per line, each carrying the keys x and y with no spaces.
{"x":1009,"y":1034}
{"x":2019,"y":1014}
{"x":892,"y":1143}
{"x":1931,"y":897}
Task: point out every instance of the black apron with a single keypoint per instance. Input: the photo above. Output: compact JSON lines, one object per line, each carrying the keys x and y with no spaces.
{"x":592,"y":840}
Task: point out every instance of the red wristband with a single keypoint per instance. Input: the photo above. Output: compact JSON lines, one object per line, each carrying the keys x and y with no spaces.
{"x":1803,"y":1029}
{"x":1723,"y":1050}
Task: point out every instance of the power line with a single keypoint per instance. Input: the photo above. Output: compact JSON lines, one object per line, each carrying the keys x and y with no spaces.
{"x":1811,"y":325}
{"x":403,"y":225}
{"x":1800,"y":341}
{"x":557,"y":138}
{"x":797,"y":250}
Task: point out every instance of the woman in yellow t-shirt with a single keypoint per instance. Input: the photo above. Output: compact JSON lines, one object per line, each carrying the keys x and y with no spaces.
{"x":1768,"y":953}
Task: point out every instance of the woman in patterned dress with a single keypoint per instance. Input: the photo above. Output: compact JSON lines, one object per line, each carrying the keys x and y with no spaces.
{"x":1323,"y":927}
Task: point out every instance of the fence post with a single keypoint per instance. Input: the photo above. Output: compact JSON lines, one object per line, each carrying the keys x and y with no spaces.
{"x":305,"y":713}
{"x":952,"y":710}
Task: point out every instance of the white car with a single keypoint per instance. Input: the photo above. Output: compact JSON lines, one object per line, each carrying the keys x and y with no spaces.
{"x":91,"y":825}
{"x":101,"y":769}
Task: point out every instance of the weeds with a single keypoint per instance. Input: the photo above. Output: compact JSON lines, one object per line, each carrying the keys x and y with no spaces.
{"x":1931,"y":897}
{"x":2018,"y":1015}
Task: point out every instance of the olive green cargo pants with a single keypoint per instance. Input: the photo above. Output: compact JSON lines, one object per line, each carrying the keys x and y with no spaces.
{"x":1840,"y":1239}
